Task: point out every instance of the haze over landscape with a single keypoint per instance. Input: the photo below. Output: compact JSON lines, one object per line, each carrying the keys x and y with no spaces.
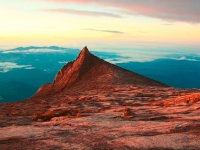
{"x":134,"y":84}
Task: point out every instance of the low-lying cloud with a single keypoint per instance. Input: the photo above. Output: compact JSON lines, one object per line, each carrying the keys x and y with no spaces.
{"x":7,"y":66}
{"x":170,"y":10}
{"x":63,"y":62}
{"x":185,"y":58}
{"x":33,"y":51}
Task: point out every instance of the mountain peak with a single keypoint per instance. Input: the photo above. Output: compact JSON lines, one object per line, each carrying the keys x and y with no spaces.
{"x":88,"y":72}
{"x":84,"y":54}
{"x":85,"y":50}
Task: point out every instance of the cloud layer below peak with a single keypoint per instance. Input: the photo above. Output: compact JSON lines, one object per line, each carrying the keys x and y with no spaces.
{"x":7,"y":66}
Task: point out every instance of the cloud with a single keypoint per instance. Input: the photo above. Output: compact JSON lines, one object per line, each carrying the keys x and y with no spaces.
{"x":28,"y":51}
{"x":170,"y":10}
{"x":63,"y":62}
{"x":108,"y":31}
{"x":7,"y":66}
{"x":82,"y":12}
{"x":147,"y":57}
{"x":184,"y":58}
{"x":119,"y":60}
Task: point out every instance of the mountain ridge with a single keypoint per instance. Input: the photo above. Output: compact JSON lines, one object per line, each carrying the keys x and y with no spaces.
{"x":88,"y":71}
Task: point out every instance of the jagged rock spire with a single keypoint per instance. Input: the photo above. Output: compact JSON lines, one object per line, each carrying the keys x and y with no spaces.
{"x":84,"y":54}
{"x":89,"y":71}
{"x":85,"y":50}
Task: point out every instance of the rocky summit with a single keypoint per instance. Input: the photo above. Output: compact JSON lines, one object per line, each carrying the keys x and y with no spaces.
{"x":93,"y":104}
{"x":90,"y":72}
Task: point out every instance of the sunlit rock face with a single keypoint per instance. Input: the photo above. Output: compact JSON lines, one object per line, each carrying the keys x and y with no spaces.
{"x":89,"y":71}
{"x":93,"y":104}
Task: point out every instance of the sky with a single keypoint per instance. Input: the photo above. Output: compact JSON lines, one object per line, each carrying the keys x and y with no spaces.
{"x":102,"y":25}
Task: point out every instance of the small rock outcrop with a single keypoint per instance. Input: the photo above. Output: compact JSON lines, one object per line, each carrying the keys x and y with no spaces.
{"x":128,"y":113}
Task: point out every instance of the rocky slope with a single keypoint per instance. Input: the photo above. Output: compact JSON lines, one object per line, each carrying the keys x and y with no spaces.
{"x":93,"y":104}
{"x":89,"y":71}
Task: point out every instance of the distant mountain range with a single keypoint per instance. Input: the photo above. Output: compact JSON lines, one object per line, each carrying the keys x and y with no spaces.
{"x":34,"y":66}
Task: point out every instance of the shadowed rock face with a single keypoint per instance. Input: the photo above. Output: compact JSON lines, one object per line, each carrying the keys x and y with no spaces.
{"x":89,"y":71}
{"x":72,"y":71}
